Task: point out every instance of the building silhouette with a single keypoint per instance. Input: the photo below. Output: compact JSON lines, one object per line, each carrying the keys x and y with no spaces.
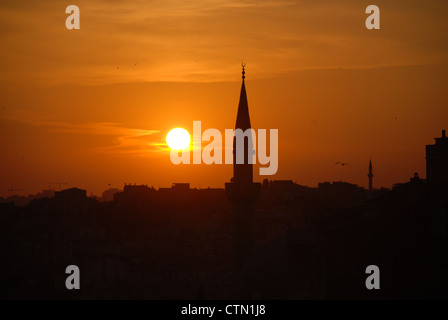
{"x":242,"y":191}
{"x":71,"y":194}
{"x":437,"y":162}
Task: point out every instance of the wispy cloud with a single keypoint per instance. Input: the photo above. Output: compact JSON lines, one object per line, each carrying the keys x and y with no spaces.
{"x":203,"y":40}
{"x":123,"y":139}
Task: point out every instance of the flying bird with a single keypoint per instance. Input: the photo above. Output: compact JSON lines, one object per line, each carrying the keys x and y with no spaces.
{"x":342,"y":163}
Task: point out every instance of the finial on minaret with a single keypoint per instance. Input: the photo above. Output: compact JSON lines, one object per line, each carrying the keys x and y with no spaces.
{"x":243,"y":64}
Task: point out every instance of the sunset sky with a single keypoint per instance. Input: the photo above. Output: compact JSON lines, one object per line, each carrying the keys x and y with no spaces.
{"x":92,"y":107}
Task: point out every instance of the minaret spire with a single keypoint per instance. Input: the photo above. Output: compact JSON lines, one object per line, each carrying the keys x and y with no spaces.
{"x":243,"y":172}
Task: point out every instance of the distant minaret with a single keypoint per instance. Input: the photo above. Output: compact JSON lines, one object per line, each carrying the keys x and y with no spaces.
{"x":370,"y":175}
{"x":242,"y":191}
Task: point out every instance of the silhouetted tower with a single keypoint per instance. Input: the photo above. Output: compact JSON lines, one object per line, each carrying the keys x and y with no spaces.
{"x":242,"y":191}
{"x":437,"y":162}
{"x":370,"y":175}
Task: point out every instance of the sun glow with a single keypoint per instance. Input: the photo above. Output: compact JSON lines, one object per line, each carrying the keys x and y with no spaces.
{"x":178,"y":139}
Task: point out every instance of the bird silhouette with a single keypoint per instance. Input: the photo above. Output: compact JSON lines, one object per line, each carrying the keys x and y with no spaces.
{"x":342,"y":163}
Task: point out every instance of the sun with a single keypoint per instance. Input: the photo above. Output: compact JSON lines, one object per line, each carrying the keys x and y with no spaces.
{"x":178,"y":139}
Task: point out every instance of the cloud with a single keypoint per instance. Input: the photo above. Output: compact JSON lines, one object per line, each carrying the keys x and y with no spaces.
{"x":123,"y":139}
{"x":204,"y":40}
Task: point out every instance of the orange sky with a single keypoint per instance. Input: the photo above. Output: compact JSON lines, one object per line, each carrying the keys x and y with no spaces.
{"x":91,"y":107}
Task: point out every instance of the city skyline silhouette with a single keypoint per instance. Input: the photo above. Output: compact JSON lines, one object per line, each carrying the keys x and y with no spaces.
{"x":92,"y":114}
{"x":249,"y":240}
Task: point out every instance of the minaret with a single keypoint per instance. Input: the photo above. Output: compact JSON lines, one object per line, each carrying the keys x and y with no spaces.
{"x":370,"y":175}
{"x":243,"y":172}
{"x":242,"y":191}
